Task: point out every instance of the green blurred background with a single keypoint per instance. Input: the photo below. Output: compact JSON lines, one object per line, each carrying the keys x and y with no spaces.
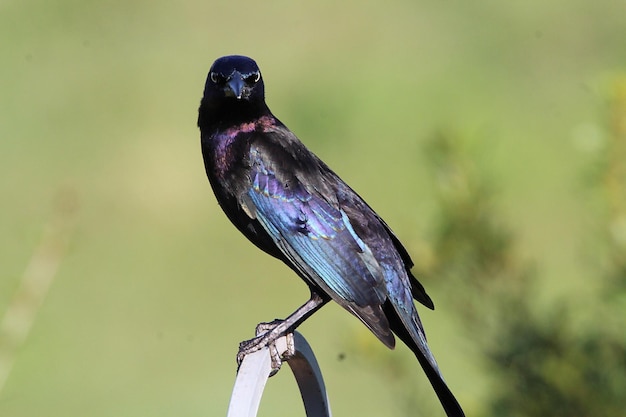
{"x":101,"y":175}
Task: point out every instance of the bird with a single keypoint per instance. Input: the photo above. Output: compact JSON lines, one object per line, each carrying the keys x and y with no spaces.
{"x":291,"y":205}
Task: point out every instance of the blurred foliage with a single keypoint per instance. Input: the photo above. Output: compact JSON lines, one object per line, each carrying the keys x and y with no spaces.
{"x":551,"y":365}
{"x":542,"y":362}
{"x":473,"y":253}
{"x":614,"y":186}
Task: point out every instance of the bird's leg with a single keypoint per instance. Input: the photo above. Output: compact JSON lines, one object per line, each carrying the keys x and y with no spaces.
{"x":267,"y":333}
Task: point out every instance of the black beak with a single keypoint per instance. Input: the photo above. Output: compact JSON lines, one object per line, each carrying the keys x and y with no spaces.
{"x":234,"y":86}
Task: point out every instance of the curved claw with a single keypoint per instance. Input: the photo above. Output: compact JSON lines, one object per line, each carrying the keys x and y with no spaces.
{"x":266,"y":337}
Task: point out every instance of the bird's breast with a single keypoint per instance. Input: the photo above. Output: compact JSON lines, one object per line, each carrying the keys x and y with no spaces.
{"x":228,"y":148}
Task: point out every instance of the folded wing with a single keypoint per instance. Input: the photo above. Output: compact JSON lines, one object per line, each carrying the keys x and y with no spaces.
{"x":317,"y":238}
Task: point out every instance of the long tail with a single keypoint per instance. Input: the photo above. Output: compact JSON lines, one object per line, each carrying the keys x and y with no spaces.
{"x":416,"y":341}
{"x":447,"y":399}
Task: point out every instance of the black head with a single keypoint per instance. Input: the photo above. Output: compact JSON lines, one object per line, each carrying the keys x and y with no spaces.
{"x":233,"y":92}
{"x":234,"y":77}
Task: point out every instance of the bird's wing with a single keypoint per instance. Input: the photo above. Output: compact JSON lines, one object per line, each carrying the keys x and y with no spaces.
{"x":382,"y":229}
{"x":316,"y":237}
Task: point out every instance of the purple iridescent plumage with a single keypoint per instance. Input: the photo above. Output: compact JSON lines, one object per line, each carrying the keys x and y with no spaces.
{"x":293,"y":206}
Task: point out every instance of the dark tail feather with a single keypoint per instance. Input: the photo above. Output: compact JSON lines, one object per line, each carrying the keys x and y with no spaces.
{"x":447,"y":399}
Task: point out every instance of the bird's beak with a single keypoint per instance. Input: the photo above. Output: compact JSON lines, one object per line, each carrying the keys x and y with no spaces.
{"x":234,"y":86}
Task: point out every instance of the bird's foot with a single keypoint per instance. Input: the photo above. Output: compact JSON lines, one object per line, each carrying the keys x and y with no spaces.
{"x":266,"y":335}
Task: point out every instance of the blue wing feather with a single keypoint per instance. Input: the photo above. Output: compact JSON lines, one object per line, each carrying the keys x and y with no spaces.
{"x":317,"y":238}
{"x":320,"y":235}
{"x":311,"y":226}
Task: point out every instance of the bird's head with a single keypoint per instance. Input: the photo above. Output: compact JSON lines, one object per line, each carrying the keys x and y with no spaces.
{"x":234,"y":77}
{"x":233,"y":93}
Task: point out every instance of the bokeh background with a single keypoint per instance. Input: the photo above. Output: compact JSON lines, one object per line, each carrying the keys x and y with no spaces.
{"x":490,"y":136}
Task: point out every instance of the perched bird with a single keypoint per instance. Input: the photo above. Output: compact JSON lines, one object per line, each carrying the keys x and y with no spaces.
{"x":291,"y":205}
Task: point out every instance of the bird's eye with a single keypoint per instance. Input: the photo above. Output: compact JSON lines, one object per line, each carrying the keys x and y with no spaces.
{"x":217,"y":78}
{"x":253,"y":78}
